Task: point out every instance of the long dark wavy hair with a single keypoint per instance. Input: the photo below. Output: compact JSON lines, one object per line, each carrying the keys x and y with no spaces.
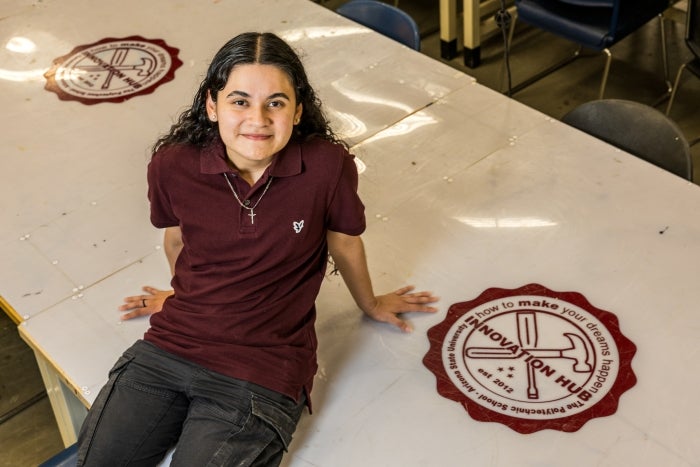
{"x":194,"y":127}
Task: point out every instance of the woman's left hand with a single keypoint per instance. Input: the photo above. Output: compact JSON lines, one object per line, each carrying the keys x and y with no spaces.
{"x":388,"y":307}
{"x":145,"y":304}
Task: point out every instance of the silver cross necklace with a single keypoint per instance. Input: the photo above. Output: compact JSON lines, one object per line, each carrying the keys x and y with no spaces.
{"x":251,"y":214}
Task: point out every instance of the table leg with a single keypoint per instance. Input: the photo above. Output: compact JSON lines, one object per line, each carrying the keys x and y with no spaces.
{"x":448,"y":29}
{"x":68,"y":408}
{"x":472,"y":33}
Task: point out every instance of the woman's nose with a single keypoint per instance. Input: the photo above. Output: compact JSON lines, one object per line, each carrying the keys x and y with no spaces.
{"x":257,"y":115}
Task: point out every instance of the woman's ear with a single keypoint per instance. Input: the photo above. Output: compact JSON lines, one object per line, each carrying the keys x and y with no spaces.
{"x":211,"y":107}
{"x":297,"y":114}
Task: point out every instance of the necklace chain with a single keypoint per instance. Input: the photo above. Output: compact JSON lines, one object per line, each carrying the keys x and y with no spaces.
{"x":251,"y":214}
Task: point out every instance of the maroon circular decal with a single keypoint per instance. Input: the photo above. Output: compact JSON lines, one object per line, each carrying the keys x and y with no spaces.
{"x":112,"y":70}
{"x":531,"y":358}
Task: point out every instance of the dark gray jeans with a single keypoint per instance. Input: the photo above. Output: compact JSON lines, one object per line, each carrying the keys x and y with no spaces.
{"x":155,"y":400}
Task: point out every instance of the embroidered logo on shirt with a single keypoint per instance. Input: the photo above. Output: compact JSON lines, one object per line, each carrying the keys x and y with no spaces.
{"x":298,"y":226}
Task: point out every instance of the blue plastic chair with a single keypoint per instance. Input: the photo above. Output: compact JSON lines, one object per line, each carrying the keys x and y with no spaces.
{"x":592,"y":24}
{"x":383,"y":18}
{"x":66,"y":458}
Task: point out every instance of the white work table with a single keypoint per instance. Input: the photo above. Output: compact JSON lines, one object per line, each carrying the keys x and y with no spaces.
{"x":465,"y":190}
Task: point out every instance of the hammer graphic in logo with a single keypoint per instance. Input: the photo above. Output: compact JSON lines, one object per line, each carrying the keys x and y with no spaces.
{"x":527,"y":338}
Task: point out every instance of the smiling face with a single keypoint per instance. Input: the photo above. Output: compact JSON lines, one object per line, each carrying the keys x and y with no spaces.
{"x":256,"y":112}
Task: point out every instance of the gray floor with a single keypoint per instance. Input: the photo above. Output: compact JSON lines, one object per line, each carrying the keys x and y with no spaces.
{"x":30,"y":435}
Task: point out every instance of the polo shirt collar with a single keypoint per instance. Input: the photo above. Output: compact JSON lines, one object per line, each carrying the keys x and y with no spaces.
{"x":287,"y":163}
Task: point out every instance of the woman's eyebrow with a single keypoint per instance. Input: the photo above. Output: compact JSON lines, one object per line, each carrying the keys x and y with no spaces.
{"x":271,"y":96}
{"x":238,"y":93}
{"x":279,"y":94}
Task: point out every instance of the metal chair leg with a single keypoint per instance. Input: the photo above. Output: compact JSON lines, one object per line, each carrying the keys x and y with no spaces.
{"x":675,"y":88}
{"x":509,"y":42}
{"x":664,"y":53}
{"x":606,"y":72}
{"x":512,"y":28}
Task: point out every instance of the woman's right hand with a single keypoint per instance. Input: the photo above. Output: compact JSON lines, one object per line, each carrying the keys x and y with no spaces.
{"x":145,"y":304}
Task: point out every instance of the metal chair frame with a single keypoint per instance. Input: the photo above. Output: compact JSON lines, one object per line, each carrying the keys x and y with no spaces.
{"x":577,"y":54}
{"x":692,"y":40}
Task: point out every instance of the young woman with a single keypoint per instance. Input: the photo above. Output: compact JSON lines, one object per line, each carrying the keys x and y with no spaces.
{"x":254,"y":191}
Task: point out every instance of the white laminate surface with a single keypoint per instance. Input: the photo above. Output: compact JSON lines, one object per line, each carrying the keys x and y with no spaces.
{"x":555,"y":207}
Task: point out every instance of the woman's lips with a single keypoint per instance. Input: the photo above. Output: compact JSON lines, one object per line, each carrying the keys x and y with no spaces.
{"x":257,"y":137}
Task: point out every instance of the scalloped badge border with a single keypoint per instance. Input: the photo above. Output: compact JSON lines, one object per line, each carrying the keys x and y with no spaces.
{"x":479,"y":359}
{"x":112,"y":70}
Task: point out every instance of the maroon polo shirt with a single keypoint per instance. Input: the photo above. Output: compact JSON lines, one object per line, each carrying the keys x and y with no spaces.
{"x":245,"y":291}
